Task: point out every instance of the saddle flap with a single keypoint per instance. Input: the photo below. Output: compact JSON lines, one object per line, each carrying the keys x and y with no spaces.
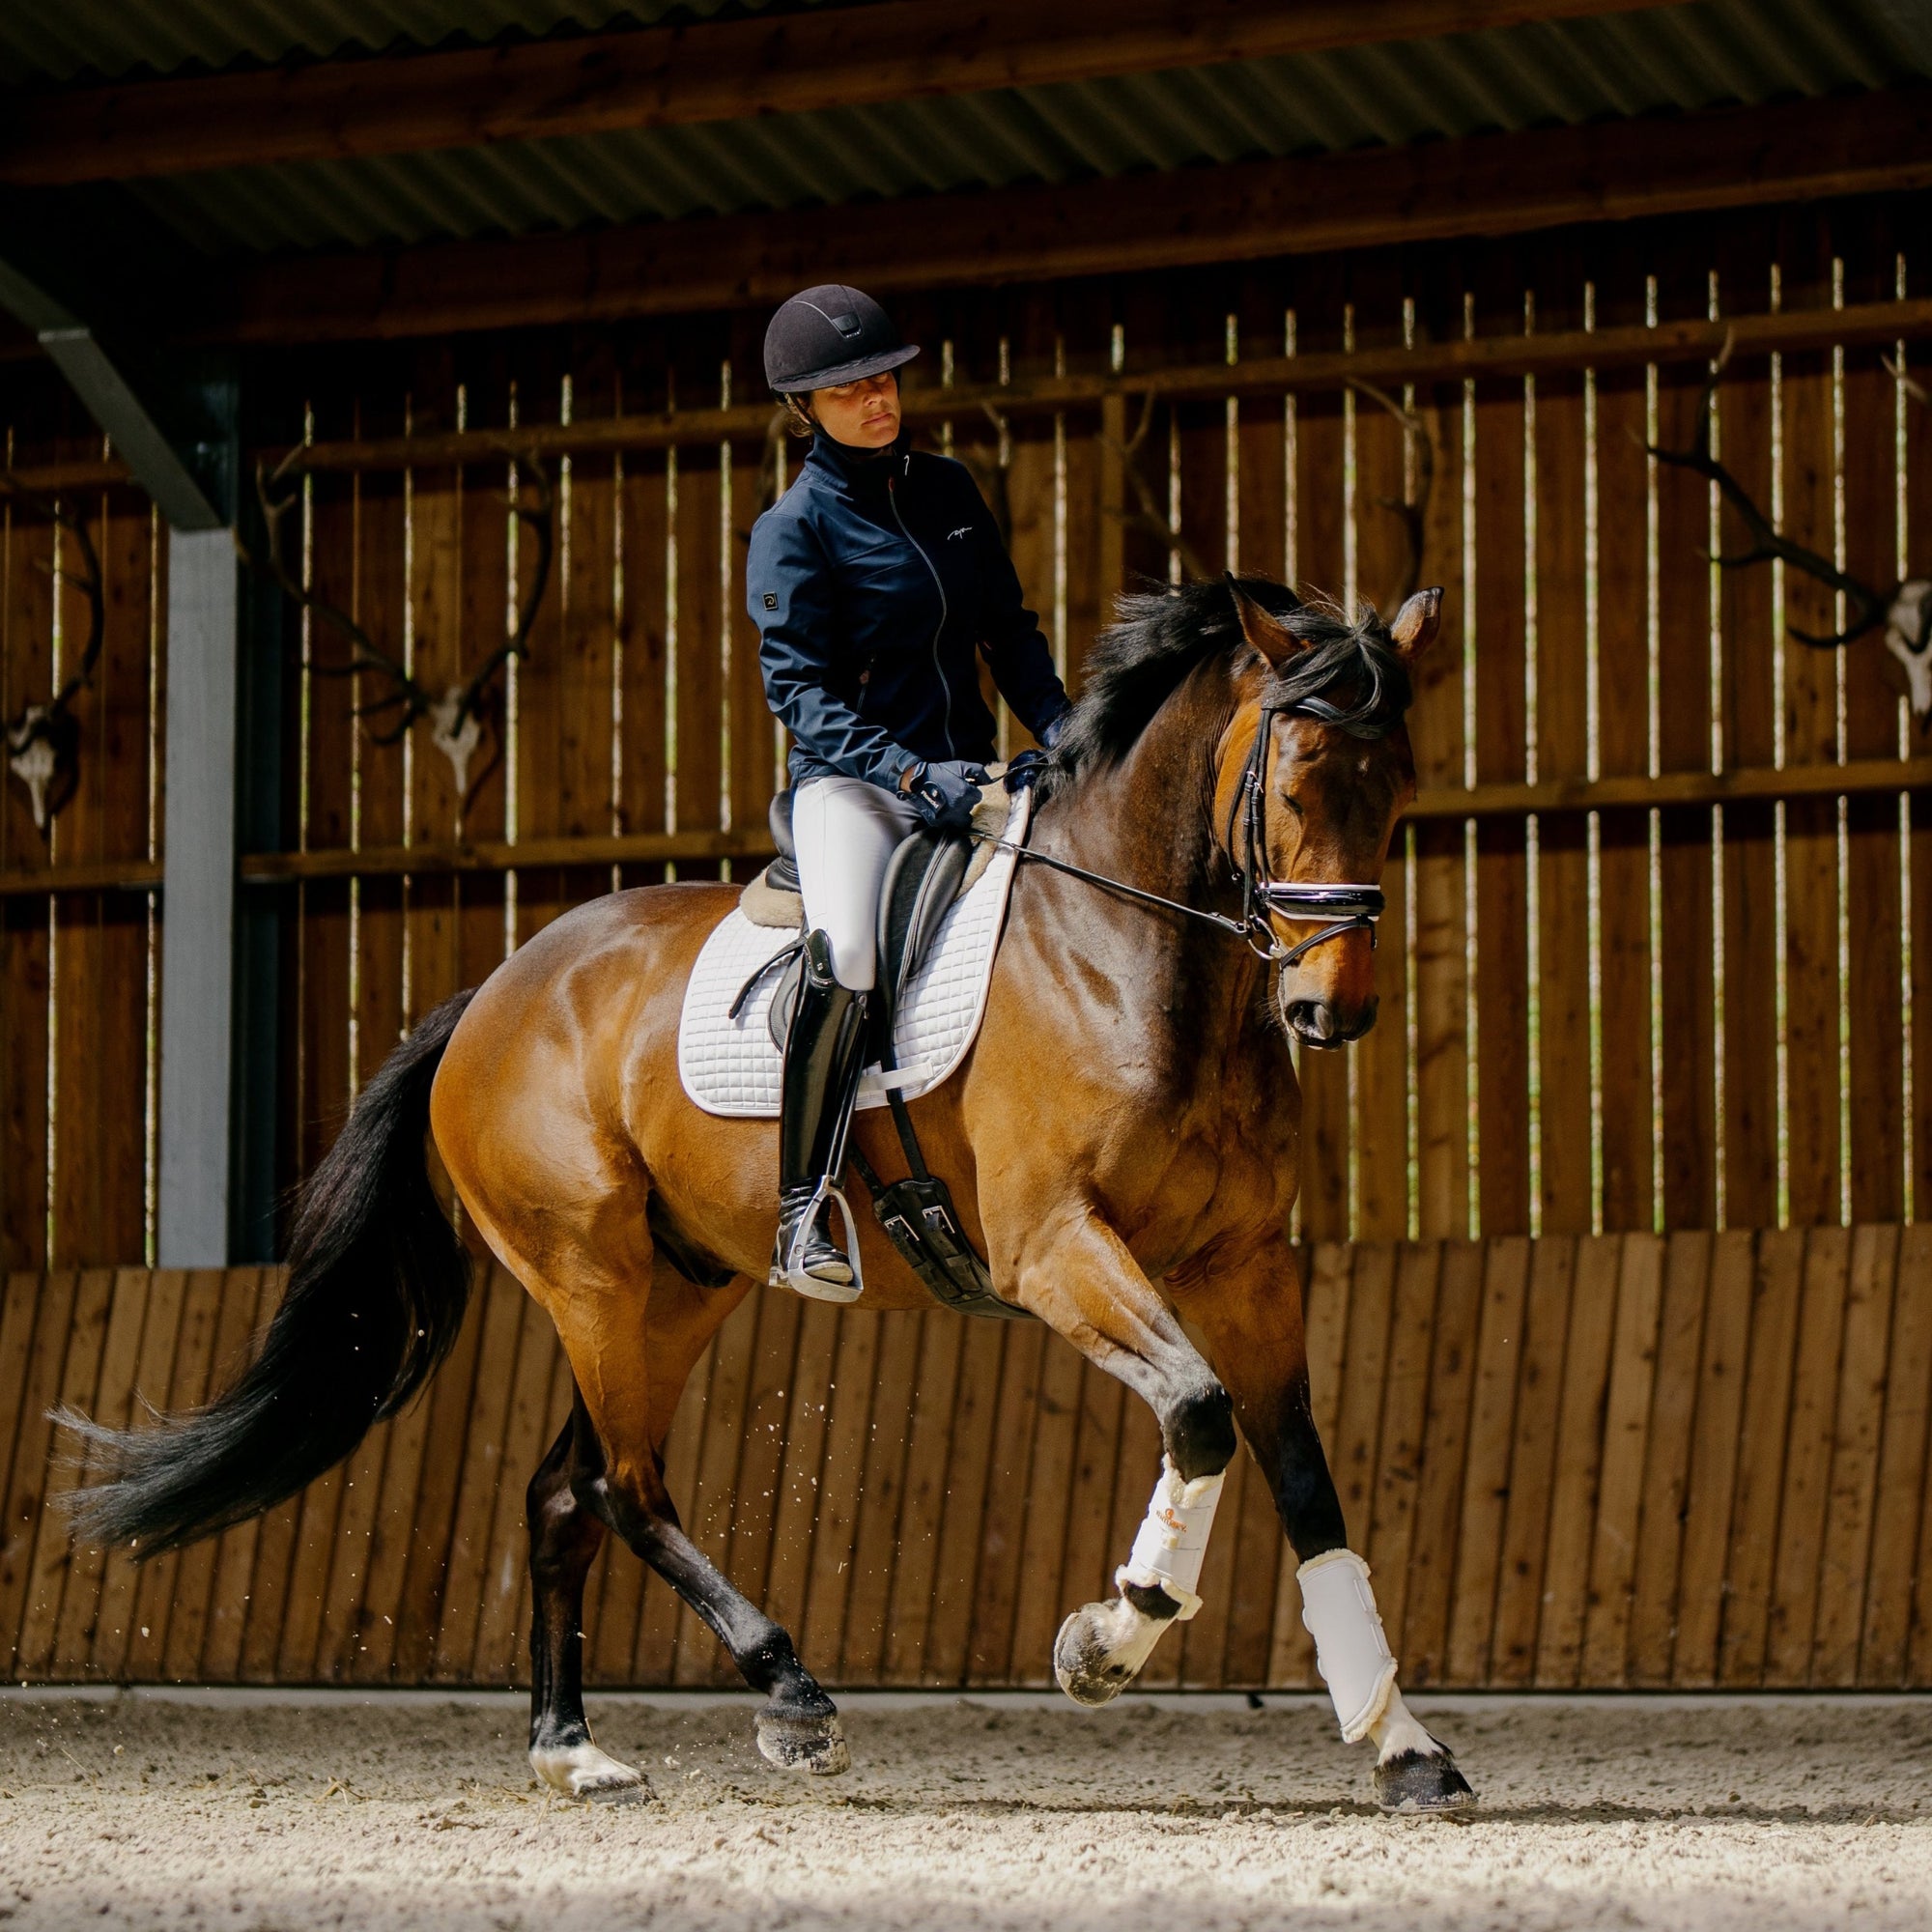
{"x":922,"y":879}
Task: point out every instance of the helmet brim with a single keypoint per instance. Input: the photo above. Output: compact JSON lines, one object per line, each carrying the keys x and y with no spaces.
{"x":847,"y":372}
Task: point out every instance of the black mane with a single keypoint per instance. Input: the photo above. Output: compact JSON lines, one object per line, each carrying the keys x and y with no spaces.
{"x":1350,"y":674}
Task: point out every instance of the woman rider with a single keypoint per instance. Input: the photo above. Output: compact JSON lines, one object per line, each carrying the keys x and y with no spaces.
{"x":874,"y":582}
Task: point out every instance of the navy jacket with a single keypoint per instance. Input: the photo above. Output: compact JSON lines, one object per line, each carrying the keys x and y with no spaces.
{"x":874,"y":580}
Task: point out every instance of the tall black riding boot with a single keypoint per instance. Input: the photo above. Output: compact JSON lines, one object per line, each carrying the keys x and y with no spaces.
{"x":824,"y":1053}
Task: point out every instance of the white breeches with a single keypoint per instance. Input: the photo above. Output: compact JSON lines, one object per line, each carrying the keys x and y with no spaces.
{"x":845,"y":829}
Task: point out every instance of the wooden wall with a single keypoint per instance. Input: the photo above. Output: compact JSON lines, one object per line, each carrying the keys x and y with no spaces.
{"x":1661,"y":1011}
{"x":1625,"y":1460}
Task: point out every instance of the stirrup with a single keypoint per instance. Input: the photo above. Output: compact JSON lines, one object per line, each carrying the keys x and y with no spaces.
{"x":789,"y":1271}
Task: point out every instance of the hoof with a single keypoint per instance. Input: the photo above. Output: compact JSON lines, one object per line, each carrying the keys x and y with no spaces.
{"x":798,"y":1741}
{"x":588,"y":1775}
{"x":1100,"y":1649}
{"x":1415,"y":1780}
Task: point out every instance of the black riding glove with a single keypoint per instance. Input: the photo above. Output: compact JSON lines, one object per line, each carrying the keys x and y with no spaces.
{"x":945,"y":791}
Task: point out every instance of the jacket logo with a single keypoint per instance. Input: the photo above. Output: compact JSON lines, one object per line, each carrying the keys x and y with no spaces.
{"x":770,"y":600}
{"x":964,"y":530}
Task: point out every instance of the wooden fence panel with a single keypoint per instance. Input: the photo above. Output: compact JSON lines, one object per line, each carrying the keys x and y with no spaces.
{"x":1580,"y":1463}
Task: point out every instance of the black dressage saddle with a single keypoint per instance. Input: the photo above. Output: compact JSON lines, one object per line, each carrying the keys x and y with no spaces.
{"x":923,"y":879}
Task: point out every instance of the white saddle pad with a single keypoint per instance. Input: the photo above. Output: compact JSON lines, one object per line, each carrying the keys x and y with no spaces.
{"x":730,"y":1067}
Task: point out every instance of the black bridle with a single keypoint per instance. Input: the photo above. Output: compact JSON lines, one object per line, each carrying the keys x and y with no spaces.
{"x":1339,"y":909}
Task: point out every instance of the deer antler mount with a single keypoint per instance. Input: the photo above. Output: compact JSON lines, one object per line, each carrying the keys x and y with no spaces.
{"x":458,"y":716}
{"x":1904,"y":611}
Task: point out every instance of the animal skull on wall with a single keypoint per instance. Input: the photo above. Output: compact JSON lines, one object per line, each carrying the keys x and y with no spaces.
{"x":44,"y":741}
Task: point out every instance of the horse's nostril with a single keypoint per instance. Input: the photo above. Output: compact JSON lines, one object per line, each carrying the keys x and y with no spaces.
{"x":1312,"y":1019}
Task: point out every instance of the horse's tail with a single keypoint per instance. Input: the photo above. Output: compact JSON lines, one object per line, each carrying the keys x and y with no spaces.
{"x":378,"y":1284}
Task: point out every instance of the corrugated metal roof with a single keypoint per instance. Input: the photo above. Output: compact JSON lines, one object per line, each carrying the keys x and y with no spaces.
{"x":63,"y":40}
{"x":1679,"y":57}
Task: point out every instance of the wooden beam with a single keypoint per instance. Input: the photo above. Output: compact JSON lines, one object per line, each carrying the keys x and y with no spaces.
{"x":1486,"y":186}
{"x":671,"y":76}
{"x":1862,"y":326}
{"x":1490,"y":800}
{"x":1640,"y":793}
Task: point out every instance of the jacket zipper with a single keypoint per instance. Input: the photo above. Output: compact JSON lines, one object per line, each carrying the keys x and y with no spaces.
{"x":939,"y":670}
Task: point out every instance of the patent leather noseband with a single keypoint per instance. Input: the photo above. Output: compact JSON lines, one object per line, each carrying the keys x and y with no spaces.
{"x":1339,"y":909}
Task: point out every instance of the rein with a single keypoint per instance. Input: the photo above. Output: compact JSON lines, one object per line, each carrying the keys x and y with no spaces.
{"x":1338,"y":908}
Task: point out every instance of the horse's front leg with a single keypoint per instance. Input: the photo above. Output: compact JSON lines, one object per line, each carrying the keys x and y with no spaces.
{"x":1250,"y":1312}
{"x":1076,"y":1273}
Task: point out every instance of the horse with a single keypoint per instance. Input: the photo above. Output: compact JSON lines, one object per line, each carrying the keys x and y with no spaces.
{"x":1188,"y":900}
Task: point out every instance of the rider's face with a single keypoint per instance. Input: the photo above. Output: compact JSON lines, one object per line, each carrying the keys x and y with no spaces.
{"x":865,"y":415}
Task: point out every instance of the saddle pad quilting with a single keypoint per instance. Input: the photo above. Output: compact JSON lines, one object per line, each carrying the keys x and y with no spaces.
{"x":729,"y":1065}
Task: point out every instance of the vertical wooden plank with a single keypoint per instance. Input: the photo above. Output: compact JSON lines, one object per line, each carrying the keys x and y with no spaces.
{"x":26,"y":677}
{"x":1807,"y":1458}
{"x":18,"y":1310}
{"x":928,"y":1461}
{"x":1626,"y":1438}
{"x":1086,"y":1574}
{"x":1326,"y":1270}
{"x":708,"y":1519}
{"x":848,"y":1423}
{"x":790,"y":1575}
{"x":1039,"y":1602}
{"x":228,"y":1296}
{"x":881,"y":1498}
{"x":157,"y":1596}
{"x":1562,"y":728}
{"x":48,"y":1557}
{"x":1391,"y":1531}
{"x":502,"y":1319}
{"x":1623,"y":743}
{"x":1884,"y":1647}
{"x":1486,"y":1472}
{"x":1811,"y":824}
{"x":1352,"y":1452}
{"x":1761,"y":1440}
{"x":955,"y":1580}
{"x":423,"y":1515}
{"x":1686,"y":1277}
{"x":113,"y":1401}
{"x":1579,"y":1460}
{"x":1445,"y":1436}
{"x":1203,"y":1640}
{"x":1872,"y":705}
{"x":528,"y":1431}
{"x":1003,"y":1526}
{"x":1533,"y":1466}
{"x":652,"y":1662}
{"x":1714,"y":1459}
{"x":1502,"y":982}
{"x":235,"y":1549}
{"x":755,"y":1512}
{"x":1857,"y":1436}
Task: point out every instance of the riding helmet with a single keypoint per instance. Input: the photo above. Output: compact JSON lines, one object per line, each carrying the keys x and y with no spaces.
{"x":831,"y":334}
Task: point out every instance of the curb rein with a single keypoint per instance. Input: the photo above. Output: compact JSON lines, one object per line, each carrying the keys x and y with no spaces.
{"x":1338,"y":908}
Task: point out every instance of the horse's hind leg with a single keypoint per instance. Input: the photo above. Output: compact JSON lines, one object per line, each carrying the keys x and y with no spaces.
{"x":630,"y":1365}
{"x":565,"y":1541}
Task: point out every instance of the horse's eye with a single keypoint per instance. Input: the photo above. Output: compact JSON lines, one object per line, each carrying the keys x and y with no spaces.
{"x":1294,"y":804}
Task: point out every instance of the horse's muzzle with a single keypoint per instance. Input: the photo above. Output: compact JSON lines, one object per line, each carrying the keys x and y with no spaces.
{"x":1318,"y":1024}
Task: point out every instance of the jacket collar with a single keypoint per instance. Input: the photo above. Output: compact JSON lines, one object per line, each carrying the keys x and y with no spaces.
{"x":862,"y":471}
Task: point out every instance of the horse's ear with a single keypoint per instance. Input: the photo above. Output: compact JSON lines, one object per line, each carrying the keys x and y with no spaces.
{"x":1261,"y":628}
{"x":1417,"y":622}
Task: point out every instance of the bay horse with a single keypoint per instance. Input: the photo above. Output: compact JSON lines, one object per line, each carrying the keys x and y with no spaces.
{"x":1234,"y":745}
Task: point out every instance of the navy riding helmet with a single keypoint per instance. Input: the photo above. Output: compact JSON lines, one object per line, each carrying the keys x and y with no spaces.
{"x":831,"y":334}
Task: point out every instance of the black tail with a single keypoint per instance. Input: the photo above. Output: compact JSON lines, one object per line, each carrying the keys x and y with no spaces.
{"x":378,"y":1282}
